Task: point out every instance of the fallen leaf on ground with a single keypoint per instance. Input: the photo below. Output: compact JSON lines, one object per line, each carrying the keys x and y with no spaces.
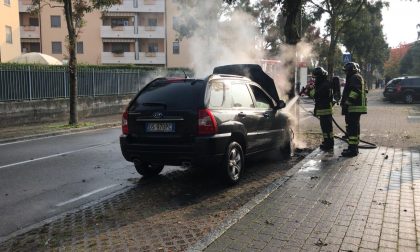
{"x":320,"y":243}
{"x":325,"y":202}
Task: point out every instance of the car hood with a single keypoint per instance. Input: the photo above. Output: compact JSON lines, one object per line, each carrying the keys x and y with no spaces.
{"x":253,"y":72}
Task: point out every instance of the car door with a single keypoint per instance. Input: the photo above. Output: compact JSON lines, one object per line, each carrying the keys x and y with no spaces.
{"x":243,"y":110}
{"x":264,"y":109}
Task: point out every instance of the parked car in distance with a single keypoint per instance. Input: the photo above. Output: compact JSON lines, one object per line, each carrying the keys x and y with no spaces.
{"x":215,"y":123}
{"x":405,"y":88}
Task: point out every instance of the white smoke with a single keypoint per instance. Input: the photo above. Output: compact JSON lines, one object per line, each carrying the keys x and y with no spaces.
{"x":236,"y":40}
{"x":232,"y":41}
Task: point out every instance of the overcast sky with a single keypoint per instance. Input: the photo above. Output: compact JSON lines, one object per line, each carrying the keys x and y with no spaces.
{"x":400,"y":21}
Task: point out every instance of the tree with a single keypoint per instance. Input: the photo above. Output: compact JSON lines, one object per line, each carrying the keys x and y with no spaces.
{"x":392,"y":65}
{"x":410,"y":64}
{"x":364,"y":39}
{"x":339,"y":14}
{"x":74,"y":12}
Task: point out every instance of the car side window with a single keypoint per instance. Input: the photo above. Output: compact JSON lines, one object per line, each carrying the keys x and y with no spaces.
{"x":412,"y":82}
{"x":262,"y":100}
{"x":217,"y":94}
{"x":240,"y":95}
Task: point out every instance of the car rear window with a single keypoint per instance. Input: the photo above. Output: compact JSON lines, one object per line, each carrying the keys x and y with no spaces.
{"x":173,"y":94}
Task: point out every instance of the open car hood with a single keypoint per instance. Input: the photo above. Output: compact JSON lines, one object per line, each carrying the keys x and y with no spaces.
{"x":253,"y":72}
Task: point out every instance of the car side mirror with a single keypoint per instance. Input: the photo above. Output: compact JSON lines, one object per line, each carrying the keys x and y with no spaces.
{"x":280,"y":104}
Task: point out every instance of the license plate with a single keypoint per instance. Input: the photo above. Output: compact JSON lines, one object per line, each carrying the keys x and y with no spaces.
{"x":160,"y":127}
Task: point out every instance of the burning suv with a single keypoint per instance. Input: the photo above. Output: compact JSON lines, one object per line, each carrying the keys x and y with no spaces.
{"x":214,"y":122}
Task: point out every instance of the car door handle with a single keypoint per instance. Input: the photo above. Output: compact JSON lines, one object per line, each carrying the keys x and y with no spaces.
{"x":266,"y":115}
{"x":242,"y":115}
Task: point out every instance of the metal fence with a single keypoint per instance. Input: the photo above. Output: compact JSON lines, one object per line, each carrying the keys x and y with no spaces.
{"x":42,"y":82}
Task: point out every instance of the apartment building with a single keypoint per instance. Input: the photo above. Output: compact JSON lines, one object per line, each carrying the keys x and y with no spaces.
{"x":9,"y":30}
{"x":134,"y":32}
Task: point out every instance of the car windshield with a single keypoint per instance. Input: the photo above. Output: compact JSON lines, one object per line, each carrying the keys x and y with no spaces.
{"x":393,"y":82}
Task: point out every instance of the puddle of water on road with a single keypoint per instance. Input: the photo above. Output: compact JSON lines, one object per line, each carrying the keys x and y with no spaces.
{"x":311,"y":165}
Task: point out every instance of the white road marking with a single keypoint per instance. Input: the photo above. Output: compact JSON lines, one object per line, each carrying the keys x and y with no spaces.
{"x":46,"y":137}
{"x":51,"y":156}
{"x":85,"y":195}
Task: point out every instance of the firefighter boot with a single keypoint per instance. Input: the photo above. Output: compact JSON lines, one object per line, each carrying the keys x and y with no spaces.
{"x":327,"y":145}
{"x":351,"y":151}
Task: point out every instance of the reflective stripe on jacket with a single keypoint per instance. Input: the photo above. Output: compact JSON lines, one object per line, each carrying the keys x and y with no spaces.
{"x":322,"y":94}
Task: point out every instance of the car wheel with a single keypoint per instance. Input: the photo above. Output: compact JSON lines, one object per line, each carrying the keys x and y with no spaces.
{"x":147,"y":169}
{"x":408,"y":98}
{"x":233,"y":163}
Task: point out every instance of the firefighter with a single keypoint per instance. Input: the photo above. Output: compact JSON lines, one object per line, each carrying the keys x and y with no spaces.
{"x":354,"y":104}
{"x":322,"y":94}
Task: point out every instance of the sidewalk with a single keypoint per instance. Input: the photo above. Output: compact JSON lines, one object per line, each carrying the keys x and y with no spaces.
{"x":330,"y":203}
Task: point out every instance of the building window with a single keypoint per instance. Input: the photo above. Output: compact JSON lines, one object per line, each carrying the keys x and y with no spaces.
{"x":55,"y":21}
{"x":175,"y":47}
{"x":153,"y":47}
{"x":152,"y":22}
{"x":7,"y":2}
{"x":79,"y":47}
{"x":56,"y":47}
{"x":33,"y":22}
{"x":120,"y":47}
{"x":9,"y":38}
{"x":119,"y":22}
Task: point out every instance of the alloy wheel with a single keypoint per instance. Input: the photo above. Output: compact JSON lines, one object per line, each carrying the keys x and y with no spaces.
{"x":235,"y":164}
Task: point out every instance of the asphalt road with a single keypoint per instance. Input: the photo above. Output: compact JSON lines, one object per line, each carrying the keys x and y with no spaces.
{"x":44,"y":177}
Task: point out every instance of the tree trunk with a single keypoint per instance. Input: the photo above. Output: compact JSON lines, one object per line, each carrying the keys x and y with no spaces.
{"x":333,"y":45}
{"x":292,"y":32}
{"x":72,"y":65}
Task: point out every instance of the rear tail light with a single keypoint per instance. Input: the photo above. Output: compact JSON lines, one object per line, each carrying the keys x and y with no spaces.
{"x":124,"y":123}
{"x":398,"y":88}
{"x":207,"y":124}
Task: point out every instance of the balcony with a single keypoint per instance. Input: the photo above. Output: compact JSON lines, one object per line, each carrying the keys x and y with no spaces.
{"x":125,"y":6}
{"x":118,"y":58}
{"x":29,"y":32}
{"x":25,"y":5}
{"x":117,"y":32}
{"x":138,"y":6}
{"x":152,"y":5}
{"x":153,"y":58}
{"x":151,"y":32}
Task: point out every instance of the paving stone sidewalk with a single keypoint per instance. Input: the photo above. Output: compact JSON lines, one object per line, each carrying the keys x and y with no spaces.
{"x":367,"y":203}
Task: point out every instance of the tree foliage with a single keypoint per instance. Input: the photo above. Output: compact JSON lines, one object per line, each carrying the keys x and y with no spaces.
{"x":339,"y":14}
{"x":410,"y":64}
{"x":364,"y":38}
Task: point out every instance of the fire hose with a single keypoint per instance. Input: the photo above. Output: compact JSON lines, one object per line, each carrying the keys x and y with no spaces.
{"x":367,"y":145}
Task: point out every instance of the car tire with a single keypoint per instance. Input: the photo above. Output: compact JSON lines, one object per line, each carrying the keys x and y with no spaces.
{"x":233,"y":163}
{"x":147,"y":169}
{"x":408,"y":98}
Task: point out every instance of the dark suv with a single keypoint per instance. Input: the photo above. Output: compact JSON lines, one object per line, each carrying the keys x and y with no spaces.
{"x":214,"y":122}
{"x":403,"y":88}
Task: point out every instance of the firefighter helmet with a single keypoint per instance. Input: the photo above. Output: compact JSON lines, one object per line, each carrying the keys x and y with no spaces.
{"x":351,"y":67}
{"x":319,"y":71}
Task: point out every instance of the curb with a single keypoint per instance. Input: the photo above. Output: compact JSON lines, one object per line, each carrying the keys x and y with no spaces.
{"x":60,"y":132}
{"x":241,"y":212}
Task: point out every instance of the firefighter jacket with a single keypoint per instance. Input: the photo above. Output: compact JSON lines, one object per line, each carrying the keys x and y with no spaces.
{"x":322,"y":94}
{"x":354,"y":95}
